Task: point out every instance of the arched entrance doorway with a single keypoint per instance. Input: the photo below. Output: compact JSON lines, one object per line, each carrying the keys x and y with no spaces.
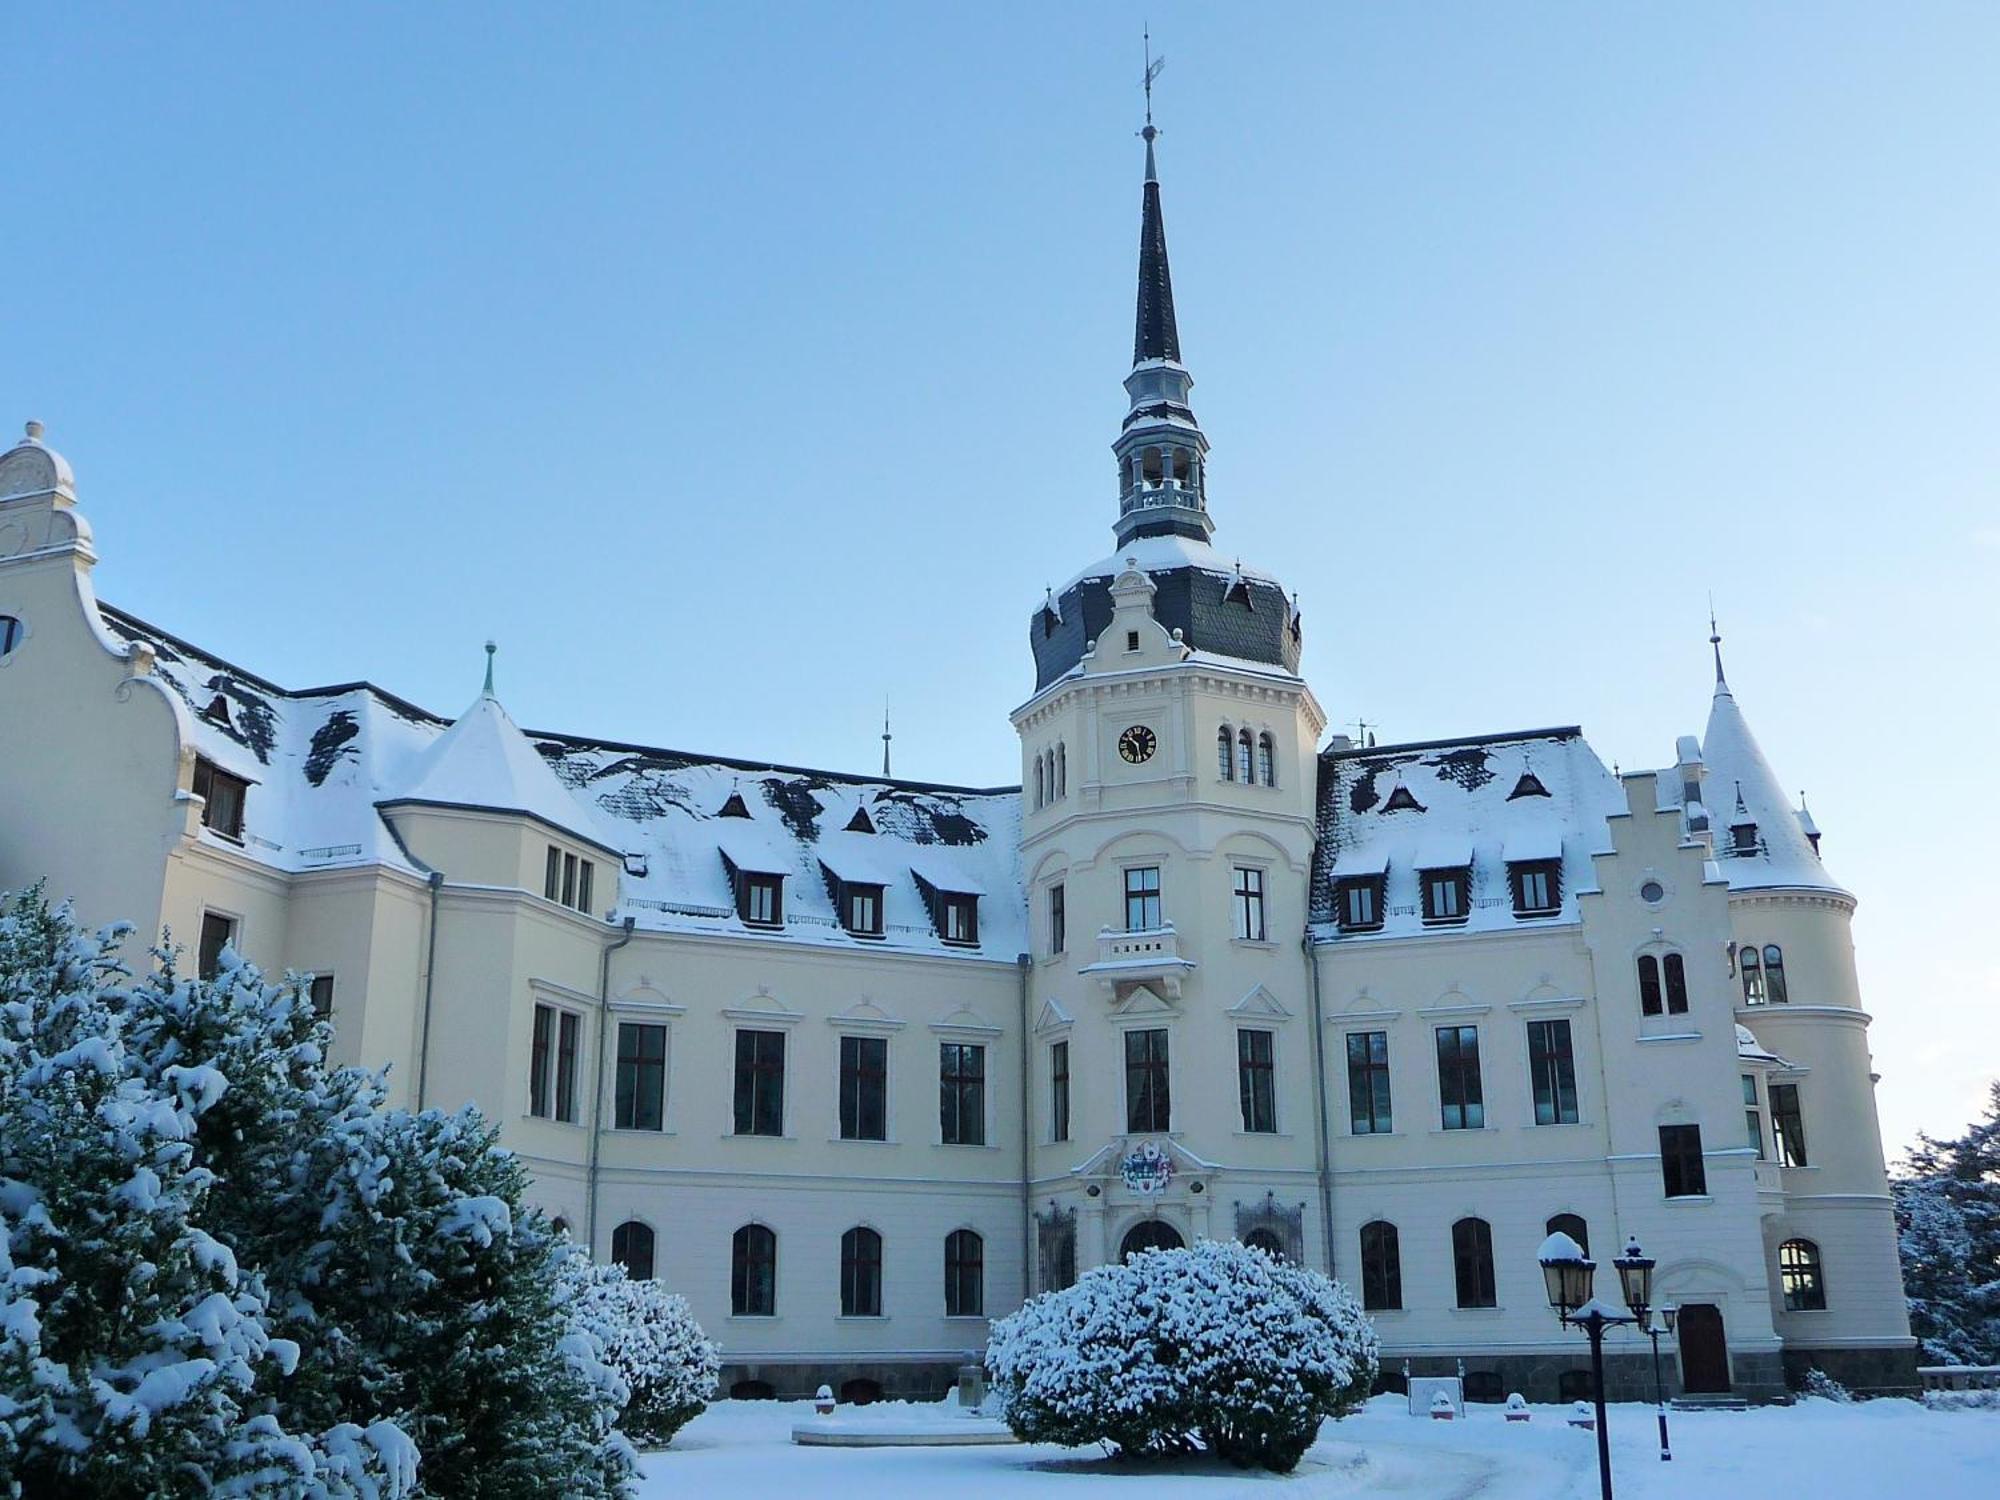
{"x":1150,"y":1234}
{"x":1704,"y":1349}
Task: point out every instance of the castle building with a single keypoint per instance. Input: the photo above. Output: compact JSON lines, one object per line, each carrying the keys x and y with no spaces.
{"x":859,"y":1063}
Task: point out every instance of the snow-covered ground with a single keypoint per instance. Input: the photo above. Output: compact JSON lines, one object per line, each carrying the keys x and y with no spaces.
{"x":1861,"y":1452}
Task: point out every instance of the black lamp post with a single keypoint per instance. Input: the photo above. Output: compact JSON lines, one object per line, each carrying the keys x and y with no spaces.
{"x":1670,"y":1314}
{"x":1569,"y":1274}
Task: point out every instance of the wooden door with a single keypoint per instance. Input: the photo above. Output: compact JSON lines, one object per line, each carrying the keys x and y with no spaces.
{"x":1704,"y":1350}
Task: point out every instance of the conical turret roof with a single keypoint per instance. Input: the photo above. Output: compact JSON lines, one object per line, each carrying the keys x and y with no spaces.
{"x":1742,"y":788}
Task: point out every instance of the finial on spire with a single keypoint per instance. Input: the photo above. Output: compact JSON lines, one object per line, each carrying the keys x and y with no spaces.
{"x":487,"y":691}
{"x":1153,"y":67}
{"x":1715,"y":642}
{"x":885,"y":735}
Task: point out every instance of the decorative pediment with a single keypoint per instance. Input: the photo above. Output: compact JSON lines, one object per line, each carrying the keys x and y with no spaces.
{"x":1260,"y":1004}
{"x":965,"y":1021}
{"x":1141,"y":1000}
{"x":643,"y":996}
{"x":1052,"y":1017}
{"x":864,"y":1015}
{"x":763,"y":1008}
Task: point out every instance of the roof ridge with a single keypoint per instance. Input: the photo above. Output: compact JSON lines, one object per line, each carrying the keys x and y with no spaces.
{"x":1554,"y":732}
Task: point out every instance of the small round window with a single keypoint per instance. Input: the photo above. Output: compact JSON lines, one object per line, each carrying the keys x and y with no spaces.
{"x":12,"y":633}
{"x":1652,"y":893}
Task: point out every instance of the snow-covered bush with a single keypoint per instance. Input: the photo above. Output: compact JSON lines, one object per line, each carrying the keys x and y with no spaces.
{"x":651,"y":1339}
{"x":1219,"y":1347}
{"x":226,"y":1268}
{"x":1819,"y":1383}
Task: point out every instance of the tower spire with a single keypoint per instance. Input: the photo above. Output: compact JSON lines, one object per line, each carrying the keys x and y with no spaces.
{"x":885,"y":737}
{"x":1155,"y":335}
{"x":487,"y":690}
{"x":1715,"y":643}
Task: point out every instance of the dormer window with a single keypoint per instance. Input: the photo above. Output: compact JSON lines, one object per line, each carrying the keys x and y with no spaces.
{"x":860,"y":822}
{"x":1530,"y":785}
{"x":1743,"y":838}
{"x":1131,"y":640}
{"x":954,"y":906}
{"x":1446,"y":894}
{"x":861,"y":909}
{"x":734,"y":807}
{"x":1401,"y":800}
{"x":217,"y":711}
{"x":222,"y":797}
{"x":1358,"y":901}
{"x":961,"y":918}
{"x":1537,"y":887}
{"x":759,"y":892}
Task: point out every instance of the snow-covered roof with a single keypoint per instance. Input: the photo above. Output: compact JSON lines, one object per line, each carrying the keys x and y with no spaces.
{"x":1485,"y":801}
{"x":1747,"y":1046}
{"x":321,"y":760}
{"x":1157,"y":554}
{"x":1742,"y":788}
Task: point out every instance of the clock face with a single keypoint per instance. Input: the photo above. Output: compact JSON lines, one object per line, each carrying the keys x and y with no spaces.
{"x":1137,"y":744}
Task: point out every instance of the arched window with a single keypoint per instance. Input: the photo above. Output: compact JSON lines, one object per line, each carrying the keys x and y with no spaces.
{"x":1267,"y":761}
{"x":1573,"y":1226}
{"x":1149,"y":1234}
{"x":1753,"y":974}
{"x":1799,"y":1275}
{"x":1472,"y":1259}
{"x":1040,"y":783}
{"x":1225,"y":753}
{"x":1265,"y":1240}
{"x":1649,"y":985}
{"x":10,"y":634}
{"x":1774,"y":975}
{"x":1381,"y":1267}
{"x":1243,"y":754}
{"x":1062,"y":769}
{"x":1677,"y":984}
{"x":753,"y":1272}
{"x":632,"y":1248}
{"x":1181,"y":469}
{"x":964,"y":1274}
{"x":861,"y":1274}
{"x":559,"y":1226}
{"x":1150,"y":466}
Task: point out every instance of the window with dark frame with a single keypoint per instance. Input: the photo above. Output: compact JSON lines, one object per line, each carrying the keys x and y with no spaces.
{"x":1673,"y":968}
{"x":1573,"y":1226}
{"x":1147,"y":1105}
{"x":223,"y":795}
{"x":1682,"y":1173}
{"x":641,"y":1086}
{"x":569,"y":1025}
{"x":10,"y":634}
{"x":964,"y":1275}
{"x":552,"y":875}
{"x":1649,"y":985}
{"x":1225,"y":753}
{"x":217,"y":932}
{"x":1472,"y":1262}
{"x":760,"y":1083}
{"x":753,"y":1272}
{"x":1552,"y":1068}
{"x":1368,"y":1083}
{"x":760,"y":899}
{"x":1256,"y":1082}
{"x":632,"y":1245}
{"x":1244,"y":752}
{"x":584,"y":870}
{"x":541,"y":1054}
{"x":962,"y":1093}
{"x":1753,"y":1121}
{"x":1267,"y":761}
{"x":864,"y":1088}
{"x":1058,"y":918}
{"x":1461,"y":1098}
{"x":1445,"y":894}
{"x":1788,"y":1125}
{"x":1359,"y":903}
{"x":1537,"y":887}
{"x":961,"y":917}
{"x":1381,"y":1267}
{"x":1800,"y":1276}
{"x":861,"y":909}
{"x":1249,"y":904}
{"x":319,"y":994}
{"x":1774,"y":975}
{"x":861,"y":1273}
{"x":1142,"y":899}
{"x":1059,"y":1091}
{"x":1751,"y":968}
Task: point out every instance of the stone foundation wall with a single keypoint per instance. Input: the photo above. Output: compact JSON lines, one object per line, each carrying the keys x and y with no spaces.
{"x":915,"y":1380}
{"x":1866,"y":1372}
{"x":1628,"y":1376}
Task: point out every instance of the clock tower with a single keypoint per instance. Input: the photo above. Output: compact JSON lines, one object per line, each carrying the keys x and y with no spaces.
{"x":1168,"y":764}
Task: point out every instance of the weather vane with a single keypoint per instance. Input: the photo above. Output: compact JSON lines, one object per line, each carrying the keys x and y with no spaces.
{"x":1153,"y":66}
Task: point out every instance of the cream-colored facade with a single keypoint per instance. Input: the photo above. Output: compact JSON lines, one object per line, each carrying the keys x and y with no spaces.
{"x":857,"y":1064}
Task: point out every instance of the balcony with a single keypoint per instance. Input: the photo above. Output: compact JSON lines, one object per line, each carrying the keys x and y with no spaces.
{"x":1150,"y":957}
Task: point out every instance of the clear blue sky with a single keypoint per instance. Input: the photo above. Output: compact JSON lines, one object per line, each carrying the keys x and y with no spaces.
{"x":737,"y":366}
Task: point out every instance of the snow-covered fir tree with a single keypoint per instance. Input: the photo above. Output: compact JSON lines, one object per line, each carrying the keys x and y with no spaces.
{"x":651,"y":1339}
{"x":1948,"y":1218}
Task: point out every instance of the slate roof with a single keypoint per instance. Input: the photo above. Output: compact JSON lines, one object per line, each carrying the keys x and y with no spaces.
{"x":1154,"y":335}
{"x":320,"y":760}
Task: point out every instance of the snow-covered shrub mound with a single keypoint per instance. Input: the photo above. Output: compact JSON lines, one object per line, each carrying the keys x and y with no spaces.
{"x":1219,"y":1347}
{"x":651,"y":1339}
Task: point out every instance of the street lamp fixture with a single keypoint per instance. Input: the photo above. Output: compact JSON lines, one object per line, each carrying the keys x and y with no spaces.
{"x":1669,"y":1316}
{"x":1569,"y":1274}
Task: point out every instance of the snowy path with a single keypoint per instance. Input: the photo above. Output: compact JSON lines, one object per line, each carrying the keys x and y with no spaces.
{"x":743,"y":1451}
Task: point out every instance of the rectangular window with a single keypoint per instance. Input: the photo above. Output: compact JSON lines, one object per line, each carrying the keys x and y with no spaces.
{"x":1058,"y":919}
{"x":1368,"y":1082}
{"x":569,"y":880}
{"x":568,"y":1025}
{"x":760,"y":900}
{"x":320,"y":994}
{"x":541,"y":1056}
{"x":552,"y":876}
{"x":1459,"y":1091}
{"x":1753,"y":1121}
{"x":1360,"y":904}
{"x":217,"y":932}
{"x":1681,"y":1168}
{"x":760,"y":1083}
{"x":861,"y":909}
{"x":1059,"y":1090}
{"x":1788,"y":1125}
{"x":1256,"y":1085}
{"x":961,"y":919}
{"x":962,"y":1094}
{"x":584,"y":870}
{"x":1537,"y":888}
{"x":1444,"y":895}
{"x":1146,"y":1101}
{"x":1553,"y":1072}
{"x":1142,"y":899}
{"x":864,"y":1088}
{"x":642,"y":1076}
{"x":1249,"y":892}
{"x":222,"y":798}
